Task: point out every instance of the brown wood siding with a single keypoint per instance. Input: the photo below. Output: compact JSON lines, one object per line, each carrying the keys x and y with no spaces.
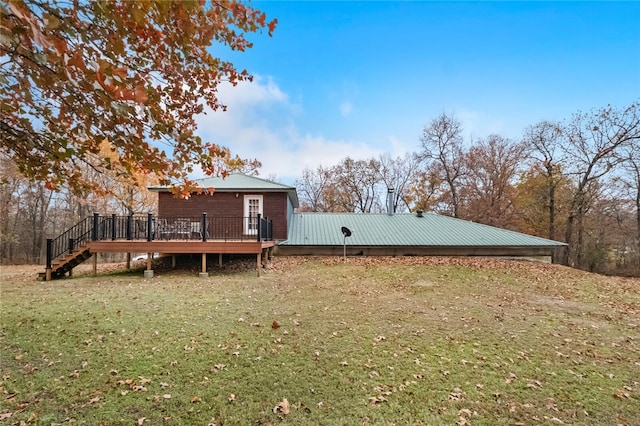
{"x":226,"y":204}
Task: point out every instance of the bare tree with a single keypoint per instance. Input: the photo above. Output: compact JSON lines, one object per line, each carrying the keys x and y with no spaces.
{"x":544,"y":140}
{"x":594,"y":142}
{"x":314,"y":189}
{"x":424,"y":188}
{"x":359,"y":185}
{"x":398,"y":174}
{"x":441,"y":142}
{"x":489,"y":191}
{"x":631,"y":184}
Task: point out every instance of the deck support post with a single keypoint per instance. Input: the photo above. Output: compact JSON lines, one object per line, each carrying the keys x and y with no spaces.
{"x":47,"y":275}
{"x":95,"y":264}
{"x":70,"y":272}
{"x":128,"y":261}
{"x":219,"y":260}
{"x":265,"y":256}
{"x":258,"y":263}
{"x":148,"y":273}
{"x":173,"y":261}
{"x":203,"y":273}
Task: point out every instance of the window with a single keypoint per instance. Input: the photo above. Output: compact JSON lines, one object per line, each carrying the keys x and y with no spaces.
{"x":252,"y":208}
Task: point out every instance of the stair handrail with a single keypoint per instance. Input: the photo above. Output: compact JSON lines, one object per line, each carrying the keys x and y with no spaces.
{"x":76,"y":236}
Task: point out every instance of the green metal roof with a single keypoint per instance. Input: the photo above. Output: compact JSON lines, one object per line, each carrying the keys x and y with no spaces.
{"x":240,"y":183}
{"x":368,"y":229}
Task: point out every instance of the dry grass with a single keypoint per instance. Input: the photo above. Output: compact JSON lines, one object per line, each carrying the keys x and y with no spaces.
{"x":319,"y":341}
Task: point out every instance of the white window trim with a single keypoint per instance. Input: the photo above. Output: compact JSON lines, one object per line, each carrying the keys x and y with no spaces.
{"x":248,"y":231}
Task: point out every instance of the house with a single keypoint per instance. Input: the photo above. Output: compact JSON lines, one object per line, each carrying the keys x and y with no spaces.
{"x":406,"y":234}
{"x":236,"y":196}
{"x":248,"y":215}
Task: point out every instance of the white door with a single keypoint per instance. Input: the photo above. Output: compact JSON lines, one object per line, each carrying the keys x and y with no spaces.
{"x":252,"y":208}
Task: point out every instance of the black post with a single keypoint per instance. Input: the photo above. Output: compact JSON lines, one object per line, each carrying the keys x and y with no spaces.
{"x":259,"y":219}
{"x":94,"y":231}
{"x":149,"y":227}
{"x":113,"y":227}
{"x":49,"y":252}
{"x":70,"y":245}
{"x":129,"y":226}
{"x":203,"y":227}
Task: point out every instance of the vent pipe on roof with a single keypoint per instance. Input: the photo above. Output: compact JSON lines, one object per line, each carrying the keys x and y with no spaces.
{"x":419,"y":213}
{"x":390,"y":201}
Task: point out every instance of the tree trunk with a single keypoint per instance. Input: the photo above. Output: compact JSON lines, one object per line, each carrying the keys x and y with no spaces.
{"x":552,"y":214}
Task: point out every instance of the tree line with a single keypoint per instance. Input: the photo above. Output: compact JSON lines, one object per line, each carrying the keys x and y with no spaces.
{"x":575,"y":181}
{"x":99,"y":100}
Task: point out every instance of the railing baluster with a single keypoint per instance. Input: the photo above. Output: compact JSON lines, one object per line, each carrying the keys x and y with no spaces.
{"x":258,"y":226}
{"x":49,"y":252}
{"x":96,"y":217}
{"x":203,"y":227}
{"x":149,"y":226}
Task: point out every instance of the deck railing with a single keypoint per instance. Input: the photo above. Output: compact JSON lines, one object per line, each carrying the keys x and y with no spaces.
{"x":76,"y":236}
{"x":150,"y":228}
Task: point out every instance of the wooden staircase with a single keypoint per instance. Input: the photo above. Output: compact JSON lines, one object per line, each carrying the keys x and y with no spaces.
{"x":65,"y":264}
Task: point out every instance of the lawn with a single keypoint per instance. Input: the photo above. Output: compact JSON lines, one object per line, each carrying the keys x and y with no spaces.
{"x":319,"y":341}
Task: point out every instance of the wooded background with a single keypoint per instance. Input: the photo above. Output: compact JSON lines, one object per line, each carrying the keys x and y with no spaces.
{"x":99,"y":101}
{"x":575,"y":181}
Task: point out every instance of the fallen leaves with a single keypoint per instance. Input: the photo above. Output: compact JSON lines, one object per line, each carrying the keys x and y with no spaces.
{"x":623,"y":392}
{"x":456,"y":395}
{"x":377,"y":399}
{"x":282,"y":407}
{"x":134,"y":385}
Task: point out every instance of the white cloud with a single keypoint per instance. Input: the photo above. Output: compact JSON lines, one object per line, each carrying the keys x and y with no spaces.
{"x":260,"y":123}
{"x":251,"y":93}
{"x":399,"y":148}
{"x":346,"y":108}
{"x":476,"y":125}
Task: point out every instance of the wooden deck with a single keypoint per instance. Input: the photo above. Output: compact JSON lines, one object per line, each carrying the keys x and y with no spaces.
{"x":175,"y":247}
{"x":180,"y":246}
{"x":165,"y":235}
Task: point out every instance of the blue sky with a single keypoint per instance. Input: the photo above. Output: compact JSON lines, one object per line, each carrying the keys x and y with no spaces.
{"x":360,"y":79}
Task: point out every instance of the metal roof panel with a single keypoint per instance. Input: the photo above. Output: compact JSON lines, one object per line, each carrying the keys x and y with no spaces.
{"x":379,"y":229}
{"x":241,"y":183}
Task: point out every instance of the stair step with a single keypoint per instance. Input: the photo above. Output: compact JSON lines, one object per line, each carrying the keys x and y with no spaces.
{"x":66,"y":263}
